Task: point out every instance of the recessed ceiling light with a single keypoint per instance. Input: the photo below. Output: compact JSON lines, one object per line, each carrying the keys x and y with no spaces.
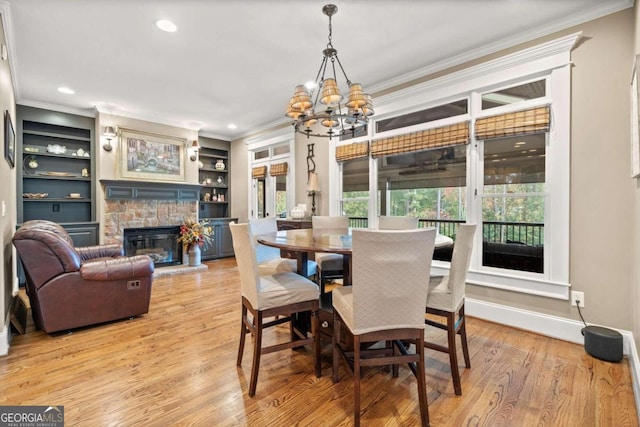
{"x":66,"y":90}
{"x":310,"y":85}
{"x":232,"y":126}
{"x":166,"y":25}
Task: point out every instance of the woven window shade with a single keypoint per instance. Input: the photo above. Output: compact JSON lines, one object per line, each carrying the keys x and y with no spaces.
{"x":356,"y":150}
{"x":259,"y":172}
{"x":524,"y":122}
{"x":423,"y":140}
{"x":279,"y":169}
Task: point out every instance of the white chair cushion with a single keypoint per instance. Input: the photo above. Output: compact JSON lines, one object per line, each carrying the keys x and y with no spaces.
{"x":285,"y":288}
{"x":342,"y":299}
{"x":439,"y":296}
{"x":285,"y":265}
{"x":329,"y":262}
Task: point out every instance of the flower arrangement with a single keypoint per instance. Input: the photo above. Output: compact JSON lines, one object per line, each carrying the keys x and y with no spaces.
{"x":193,"y":232}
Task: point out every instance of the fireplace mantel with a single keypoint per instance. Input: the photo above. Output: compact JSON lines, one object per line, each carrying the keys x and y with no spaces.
{"x":146,"y":190}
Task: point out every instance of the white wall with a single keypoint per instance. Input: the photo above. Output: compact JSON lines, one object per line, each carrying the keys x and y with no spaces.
{"x":8,"y":205}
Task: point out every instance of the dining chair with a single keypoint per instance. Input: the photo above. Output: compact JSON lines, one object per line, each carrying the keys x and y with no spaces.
{"x":446,"y":298}
{"x":397,"y":223}
{"x":330,"y":266}
{"x":281,"y":295}
{"x":385,"y":304}
{"x":269,"y":259}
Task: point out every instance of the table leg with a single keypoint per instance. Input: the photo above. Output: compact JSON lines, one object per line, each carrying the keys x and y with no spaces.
{"x":303,"y":257}
{"x":302,"y":321}
{"x":346,"y":266}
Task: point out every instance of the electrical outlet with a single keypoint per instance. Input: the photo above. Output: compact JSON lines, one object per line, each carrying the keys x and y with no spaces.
{"x":577,"y":296}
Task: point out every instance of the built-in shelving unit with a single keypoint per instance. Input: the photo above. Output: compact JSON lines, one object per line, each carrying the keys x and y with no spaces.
{"x":55,"y":165}
{"x":214,"y":195}
{"x":213,"y":175}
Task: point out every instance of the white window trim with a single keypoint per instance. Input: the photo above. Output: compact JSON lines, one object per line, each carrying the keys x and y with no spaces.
{"x":551,"y":60}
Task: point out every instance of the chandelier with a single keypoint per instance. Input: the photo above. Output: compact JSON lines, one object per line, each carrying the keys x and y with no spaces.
{"x":332,"y":118}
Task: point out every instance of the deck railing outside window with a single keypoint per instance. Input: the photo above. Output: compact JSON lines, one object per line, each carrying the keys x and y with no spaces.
{"x":510,"y":245}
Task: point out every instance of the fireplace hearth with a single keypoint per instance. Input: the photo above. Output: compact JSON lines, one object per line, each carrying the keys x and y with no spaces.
{"x":160,"y":243}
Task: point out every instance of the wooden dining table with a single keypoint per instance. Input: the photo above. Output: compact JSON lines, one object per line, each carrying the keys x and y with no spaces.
{"x":302,"y":242}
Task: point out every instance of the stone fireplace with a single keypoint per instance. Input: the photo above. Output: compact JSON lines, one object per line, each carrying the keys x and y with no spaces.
{"x":146,"y":205}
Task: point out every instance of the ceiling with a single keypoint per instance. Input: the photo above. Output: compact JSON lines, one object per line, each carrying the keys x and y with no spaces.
{"x":239,"y":61}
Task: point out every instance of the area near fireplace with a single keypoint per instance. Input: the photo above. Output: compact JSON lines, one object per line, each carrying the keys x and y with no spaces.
{"x":159,"y":243}
{"x":146,"y":217}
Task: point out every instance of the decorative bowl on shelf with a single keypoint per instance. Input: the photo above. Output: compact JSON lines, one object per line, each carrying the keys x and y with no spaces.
{"x":56,"y":149}
{"x":35,"y":195}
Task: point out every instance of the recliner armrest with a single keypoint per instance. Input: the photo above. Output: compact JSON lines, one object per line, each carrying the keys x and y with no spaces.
{"x":100,"y":251}
{"x":117,"y":268}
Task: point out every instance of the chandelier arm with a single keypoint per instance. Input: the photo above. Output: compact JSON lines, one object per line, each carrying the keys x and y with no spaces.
{"x":342,"y":69}
{"x":323,"y":69}
{"x":320,"y":70}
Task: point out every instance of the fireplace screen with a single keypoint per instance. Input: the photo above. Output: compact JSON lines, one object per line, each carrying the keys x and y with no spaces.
{"x":160,"y":243}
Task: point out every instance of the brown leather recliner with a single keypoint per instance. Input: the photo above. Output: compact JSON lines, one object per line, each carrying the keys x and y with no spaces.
{"x":70,"y":287}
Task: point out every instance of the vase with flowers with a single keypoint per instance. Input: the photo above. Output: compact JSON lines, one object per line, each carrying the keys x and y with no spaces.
{"x":195,"y":235}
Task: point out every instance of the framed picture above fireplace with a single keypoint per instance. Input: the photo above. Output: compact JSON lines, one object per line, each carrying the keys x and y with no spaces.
{"x":147,"y":156}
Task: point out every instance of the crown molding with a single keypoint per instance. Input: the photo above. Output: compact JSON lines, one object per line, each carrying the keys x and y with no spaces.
{"x":559,"y":46}
{"x":566,"y":22}
{"x":88,"y":112}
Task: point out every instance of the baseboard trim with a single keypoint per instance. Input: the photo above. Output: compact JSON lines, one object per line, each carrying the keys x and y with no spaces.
{"x":555,"y":327}
{"x":5,"y":337}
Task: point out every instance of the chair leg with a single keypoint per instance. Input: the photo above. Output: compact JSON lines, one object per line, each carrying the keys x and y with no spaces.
{"x":356,"y":380}
{"x":463,"y":337}
{"x":243,"y":335}
{"x":453,"y":355}
{"x":395,"y":368}
{"x":336,"y":354}
{"x":422,"y":383}
{"x":257,"y":347}
{"x":315,"y":330}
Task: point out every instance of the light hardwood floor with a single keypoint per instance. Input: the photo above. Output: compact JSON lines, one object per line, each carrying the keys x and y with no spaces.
{"x":175,"y":366}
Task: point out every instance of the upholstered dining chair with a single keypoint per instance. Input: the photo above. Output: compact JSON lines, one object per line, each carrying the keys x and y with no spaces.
{"x":269,"y":259}
{"x":385,"y":304}
{"x":280,"y":295}
{"x":397,"y":222}
{"x":446,"y":299}
{"x":330,"y":265}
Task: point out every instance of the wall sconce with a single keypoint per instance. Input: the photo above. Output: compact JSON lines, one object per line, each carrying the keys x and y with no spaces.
{"x":109,"y":133}
{"x":195,"y":147}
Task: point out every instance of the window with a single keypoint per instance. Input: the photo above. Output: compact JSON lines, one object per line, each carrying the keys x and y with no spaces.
{"x":355,"y":191}
{"x":430,"y":185}
{"x":450,"y":109}
{"x":514,"y":94}
{"x":513,"y":203}
{"x":272,"y":187}
{"x":494,"y":151}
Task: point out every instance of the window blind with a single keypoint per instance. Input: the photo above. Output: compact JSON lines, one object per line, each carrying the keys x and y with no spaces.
{"x":259,"y":172}
{"x":516,"y":123}
{"x":422,"y":140}
{"x":356,"y":150}
{"x":279,"y":169}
